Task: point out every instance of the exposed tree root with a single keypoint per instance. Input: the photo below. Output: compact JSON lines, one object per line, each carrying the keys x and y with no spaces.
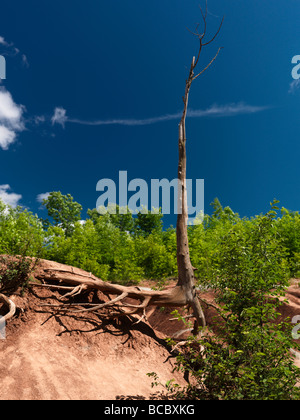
{"x":75,"y":281}
{"x":11,"y":307}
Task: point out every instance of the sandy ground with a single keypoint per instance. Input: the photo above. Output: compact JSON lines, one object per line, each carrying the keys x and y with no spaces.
{"x":48,"y":357}
{"x":42,"y":366}
{"x":51,"y":357}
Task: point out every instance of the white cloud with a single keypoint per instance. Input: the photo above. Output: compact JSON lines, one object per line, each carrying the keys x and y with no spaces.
{"x":7,"y":137}
{"x":9,"y":198}
{"x":42,"y":196}
{"x":59,"y":116}
{"x":8,"y":109}
{"x":11,"y":119}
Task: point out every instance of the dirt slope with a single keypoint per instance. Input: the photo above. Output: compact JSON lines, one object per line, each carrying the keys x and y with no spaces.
{"x":79,"y":357}
{"x":50,"y":356}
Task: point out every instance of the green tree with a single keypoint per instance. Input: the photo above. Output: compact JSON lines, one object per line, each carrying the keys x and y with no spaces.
{"x":153,"y":256}
{"x":63,"y":210}
{"x":21,"y":232}
{"x":148,"y":222}
{"x":124,"y":220}
{"x":205,"y":238}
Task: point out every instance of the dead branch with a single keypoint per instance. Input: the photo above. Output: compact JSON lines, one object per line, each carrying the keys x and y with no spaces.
{"x":209,"y":64}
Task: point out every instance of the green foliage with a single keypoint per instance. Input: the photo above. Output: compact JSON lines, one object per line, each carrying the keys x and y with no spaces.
{"x":148,"y":222}
{"x":204,"y":239}
{"x":251,"y":259}
{"x":21,"y":232}
{"x":21,"y":236}
{"x":14,"y":273}
{"x":127,"y":248}
{"x":289,"y":227}
{"x":247,"y":262}
{"x":121,"y":217}
{"x":99,"y":247}
{"x":63,"y":210}
{"x":153,"y":256}
{"x":249,"y":357}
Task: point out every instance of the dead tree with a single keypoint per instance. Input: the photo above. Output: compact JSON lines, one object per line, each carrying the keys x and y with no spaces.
{"x":186,"y":280}
{"x":181,"y":295}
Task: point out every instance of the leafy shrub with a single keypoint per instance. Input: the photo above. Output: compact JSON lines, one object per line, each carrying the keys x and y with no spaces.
{"x":14,"y":273}
{"x":249,"y":357}
{"x":21,"y":232}
{"x":289,"y":227}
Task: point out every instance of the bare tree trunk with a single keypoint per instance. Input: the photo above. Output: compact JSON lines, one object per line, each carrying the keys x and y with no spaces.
{"x":186,"y":279}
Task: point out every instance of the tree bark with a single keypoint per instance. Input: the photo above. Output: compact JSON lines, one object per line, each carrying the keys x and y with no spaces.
{"x":186,"y":278}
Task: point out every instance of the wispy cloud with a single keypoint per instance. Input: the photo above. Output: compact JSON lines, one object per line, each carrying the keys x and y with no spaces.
{"x":215,"y":111}
{"x":10,"y":198}
{"x":42,"y":196}
{"x":294,"y":86}
{"x":59,"y":116}
{"x":11,"y":50}
{"x":11,"y":119}
{"x":228,"y":110}
{"x":3,"y":42}
{"x":126,"y":121}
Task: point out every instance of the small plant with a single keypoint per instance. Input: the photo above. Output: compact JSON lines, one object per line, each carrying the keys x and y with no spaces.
{"x":15,"y":273}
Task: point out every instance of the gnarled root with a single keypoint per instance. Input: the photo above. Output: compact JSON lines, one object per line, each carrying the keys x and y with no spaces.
{"x":74,"y":281}
{"x":11,"y":307}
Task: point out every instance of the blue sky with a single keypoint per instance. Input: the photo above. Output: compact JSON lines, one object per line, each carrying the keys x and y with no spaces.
{"x":88,"y":83}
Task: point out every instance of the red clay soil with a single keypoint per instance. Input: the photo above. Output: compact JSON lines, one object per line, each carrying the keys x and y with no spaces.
{"x":47,"y":356}
{"x":51,"y":356}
